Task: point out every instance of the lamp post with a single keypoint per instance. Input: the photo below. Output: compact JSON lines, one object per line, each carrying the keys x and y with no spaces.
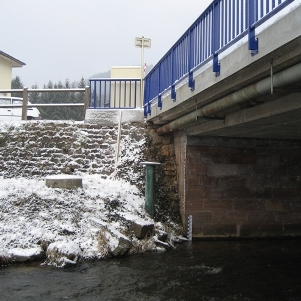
{"x":142,"y":43}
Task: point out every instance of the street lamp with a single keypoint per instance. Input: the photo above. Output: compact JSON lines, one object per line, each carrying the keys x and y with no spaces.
{"x":142,"y":43}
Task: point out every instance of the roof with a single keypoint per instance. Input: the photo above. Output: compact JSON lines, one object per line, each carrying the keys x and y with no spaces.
{"x":15,"y":62}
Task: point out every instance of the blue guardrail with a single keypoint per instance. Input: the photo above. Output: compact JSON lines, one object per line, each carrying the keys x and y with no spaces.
{"x":110,"y":93}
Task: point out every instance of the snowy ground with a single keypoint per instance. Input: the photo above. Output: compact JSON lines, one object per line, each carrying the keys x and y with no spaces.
{"x":32,"y":216}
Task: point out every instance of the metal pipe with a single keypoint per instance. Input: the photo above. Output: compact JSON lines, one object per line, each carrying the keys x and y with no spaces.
{"x":288,"y":76}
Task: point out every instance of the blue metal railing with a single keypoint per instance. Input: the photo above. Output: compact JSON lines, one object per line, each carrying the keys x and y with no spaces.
{"x":221,"y":25}
{"x":110,"y":93}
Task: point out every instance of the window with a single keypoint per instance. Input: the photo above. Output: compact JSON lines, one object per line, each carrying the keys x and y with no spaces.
{"x":5,"y":101}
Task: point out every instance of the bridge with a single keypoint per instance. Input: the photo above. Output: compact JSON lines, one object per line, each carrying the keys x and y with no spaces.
{"x":228,"y":92}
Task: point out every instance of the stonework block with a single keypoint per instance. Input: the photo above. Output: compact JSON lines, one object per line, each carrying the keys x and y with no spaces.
{"x":273,"y":205}
{"x":191,"y":209}
{"x":220,"y":170}
{"x":219,"y":230}
{"x":249,"y":204}
{"x":196,"y":169}
{"x":245,"y":157}
{"x":193,"y":180}
{"x":202,"y":217}
{"x":249,"y":230}
{"x":268,"y":159}
{"x":233,"y":181}
{"x":263,"y":192}
{"x":216,"y":204}
{"x":241,"y":193}
{"x":229,"y":217}
{"x":193,"y":155}
{"x":259,"y":217}
{"x":210,"y":182}
{"x":216,"y":193}
{"x":195,"y":193}
{"x":214,"y":158}
{"x":286,"y":192}
{"x":272,"y":230}
{"x":289,"y":217}
{"x":167,"y":150}
{"x":293,"y":229}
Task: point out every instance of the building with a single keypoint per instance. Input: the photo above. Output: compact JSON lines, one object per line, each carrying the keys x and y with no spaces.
{"x":7,"y":63}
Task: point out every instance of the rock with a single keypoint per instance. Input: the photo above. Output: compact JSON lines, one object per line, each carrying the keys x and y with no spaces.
{"x":142,"y":228}
{"x":120,"y":245}
{"x":63,"y":254}
{"x":162,"y":235}
{"x":21,"y":255}
{"x":5,"y":257}
{"x":181,"y":239}
{"x":162,"y":244}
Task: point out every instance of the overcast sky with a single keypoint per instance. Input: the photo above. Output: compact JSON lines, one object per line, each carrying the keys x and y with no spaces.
{"x":60,"y":39}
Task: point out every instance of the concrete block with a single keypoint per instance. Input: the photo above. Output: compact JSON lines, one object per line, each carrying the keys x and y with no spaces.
{"x":63,"y":181}
{"x":111,"y":117}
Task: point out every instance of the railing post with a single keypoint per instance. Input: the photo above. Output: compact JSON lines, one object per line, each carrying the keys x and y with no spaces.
{"x":24,"y":103}
{"x":86,"y":99}
{"x":216,"y":37}
{"x":173,"y":76}
{"x":159,"y":89}
{"x":252,"y":41}
{"x":190,"y":60}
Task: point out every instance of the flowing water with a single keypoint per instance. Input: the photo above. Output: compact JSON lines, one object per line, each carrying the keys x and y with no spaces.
{"x":201,"y":270}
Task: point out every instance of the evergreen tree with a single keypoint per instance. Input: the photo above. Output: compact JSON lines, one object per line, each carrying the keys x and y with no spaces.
{"x":34,"y":97}
{"x":16,"y":83}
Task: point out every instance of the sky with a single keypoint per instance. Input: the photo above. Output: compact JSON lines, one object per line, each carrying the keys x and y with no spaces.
{"x":70,"y":39}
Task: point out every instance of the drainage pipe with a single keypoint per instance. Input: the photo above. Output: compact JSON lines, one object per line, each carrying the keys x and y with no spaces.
{"x":288,"y":76}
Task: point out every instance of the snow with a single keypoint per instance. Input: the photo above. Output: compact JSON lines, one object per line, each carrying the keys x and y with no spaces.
{"x":32,"y":215}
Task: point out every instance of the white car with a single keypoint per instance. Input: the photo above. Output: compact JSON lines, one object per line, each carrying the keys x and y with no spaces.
{"x":11,"y":113}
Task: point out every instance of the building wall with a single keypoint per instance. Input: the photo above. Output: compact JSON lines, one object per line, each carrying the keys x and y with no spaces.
{"x":239,"y":188}
{"x":126,"y":72}
{"x":5,"y":74}
{"x":124,"y":94}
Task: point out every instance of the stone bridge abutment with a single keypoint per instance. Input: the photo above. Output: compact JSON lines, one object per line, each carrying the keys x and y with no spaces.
{"x":236,"y":187}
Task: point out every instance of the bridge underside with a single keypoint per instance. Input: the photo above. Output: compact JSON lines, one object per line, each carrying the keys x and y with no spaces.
{"x":278,"y":118}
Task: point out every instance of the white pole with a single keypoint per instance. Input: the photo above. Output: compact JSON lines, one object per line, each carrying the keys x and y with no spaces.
{"x":142,"y":64}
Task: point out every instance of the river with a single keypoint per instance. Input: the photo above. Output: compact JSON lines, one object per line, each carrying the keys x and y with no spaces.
{"x":201,"y":270}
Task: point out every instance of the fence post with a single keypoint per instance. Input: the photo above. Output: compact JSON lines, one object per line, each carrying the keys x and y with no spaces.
{"x":24,"y":103}
{"x":86,"y":99}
